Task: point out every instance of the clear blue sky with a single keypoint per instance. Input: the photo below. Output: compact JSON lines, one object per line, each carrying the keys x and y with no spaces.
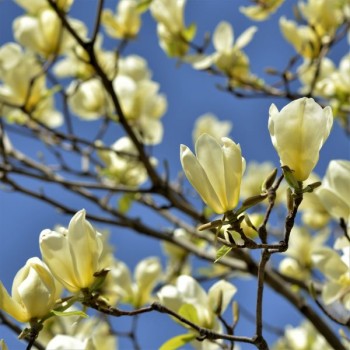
{"x":189,"y":93}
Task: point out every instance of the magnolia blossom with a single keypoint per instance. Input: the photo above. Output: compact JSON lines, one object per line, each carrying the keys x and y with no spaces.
{"x":127,"y":21}
{"x":336,"y":269}
{"x":209,"y":124}
{"x":33,"y":292}
{"x":323,"y":15}
{"x":229,"y":57}
{"x":35,"y":6}
{"x":24,"y":86}
{"x":76,"y":62}
{"x":74,"y":331}
{"x":143,"y":106}
{"x":173,"y":34}
{"x":122,"y":164}
{"x":44,"y":34}
{"x":335,"y":190}
{"x":119,"y":285}
{"x":304,"y":337}
{"x":298,"y":262}
{"x":303,"y":38}
{"x":298,"y":132}
{"x":73,"y":254}
{"x":88,"y":99}
{"x":134,"y":67}
{"x":215,"y":172}
{"x":187,"y":293}
{"x":262,"y":10}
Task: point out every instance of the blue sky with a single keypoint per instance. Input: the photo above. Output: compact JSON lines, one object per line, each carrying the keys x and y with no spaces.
{"x":189,"y":93}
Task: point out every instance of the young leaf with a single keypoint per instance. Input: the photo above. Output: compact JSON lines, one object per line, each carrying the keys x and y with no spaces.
{"x":70,"y":313}
{"x":222,"y":252}
{"x":178,"y":341}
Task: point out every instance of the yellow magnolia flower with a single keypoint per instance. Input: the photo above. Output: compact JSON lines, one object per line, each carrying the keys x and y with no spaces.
{"x":262,"y":10}
{"x":33,"y":292}
{"x":303,"y":38}
{"x":215,"y":172}
{"x":209,"y":124}
{"x":335,"y":190}
{"x":126,"y":23}
{"x":298,"y":132}
{"x":73,"y":254}
{"x":44,"y":34}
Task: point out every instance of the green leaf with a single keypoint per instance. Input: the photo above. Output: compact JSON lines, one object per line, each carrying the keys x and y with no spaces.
{"x":190,"y":32}
{"x":70,"y":313}
{"x":222,"y":252}
{"x":125,"y":202}
{"x":178,"y":341}
{"x":189,"y":312}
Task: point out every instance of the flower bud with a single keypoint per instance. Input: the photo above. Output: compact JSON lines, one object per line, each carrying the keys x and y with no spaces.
{"x":33,"y":292}
{"x":215,"y":172}
{"x":298,"y":132}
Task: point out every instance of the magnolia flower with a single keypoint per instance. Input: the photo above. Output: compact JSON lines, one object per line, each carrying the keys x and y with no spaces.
{"x":73,"y":254}
{"x":334,"y":192}
{"x":63,"y":342}
{"x":135,"y":67}
{"x":33,"y":292}
{"x":143,"y":106}
{"x":24,"y":86}
{"x":120,"y":287}
{"x":74,"y":331}
{"x":126,"y":23}
{"x":323,"y":16}
{"x":88,"y":99}
{"x":173,"y":34}
{"x":44,"y":34}
{"x":336,"y":269}
{"x":122,"y":164}
{"x":314,"y":213}
{"x":229,"y":57}
{"x":302,"y":245}
{"x":215,"y":172}
{"x":209,"y":124}
{"x":304,"y":337}
{"x":303,"y":38}
{"x":298,"y":132}
{"x":188,"y":294}
{"x":76,"y":62}
{"x":35,"y":6}
{"x":262,"y":10}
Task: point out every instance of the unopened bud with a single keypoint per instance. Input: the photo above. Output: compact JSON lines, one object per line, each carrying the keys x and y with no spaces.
{"x":269,"y":180}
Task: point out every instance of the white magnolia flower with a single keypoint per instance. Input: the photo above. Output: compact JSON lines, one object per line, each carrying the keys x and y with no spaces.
{"x":23,"y":85}
{"x":187,"y":293}
{"x":44,"y":34}
{"x":334,"y":192}
{"x":298,"y":131}
{"x":215,"y":172}
{"x":73,"y":254}
{"x":209,"y":124}
{"x":120,"y":287}
{"x":126,"y":23}
{"x":33,"y":292}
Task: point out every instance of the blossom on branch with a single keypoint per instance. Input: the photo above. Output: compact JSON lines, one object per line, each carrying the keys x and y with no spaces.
{"x":215,"y":172}
{"x":298,"y":131}
{"x":33,"y":292}
{"x":73,"y":254}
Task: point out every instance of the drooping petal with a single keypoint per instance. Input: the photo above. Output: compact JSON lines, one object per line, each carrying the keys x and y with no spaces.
{"x":227,"y":291}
